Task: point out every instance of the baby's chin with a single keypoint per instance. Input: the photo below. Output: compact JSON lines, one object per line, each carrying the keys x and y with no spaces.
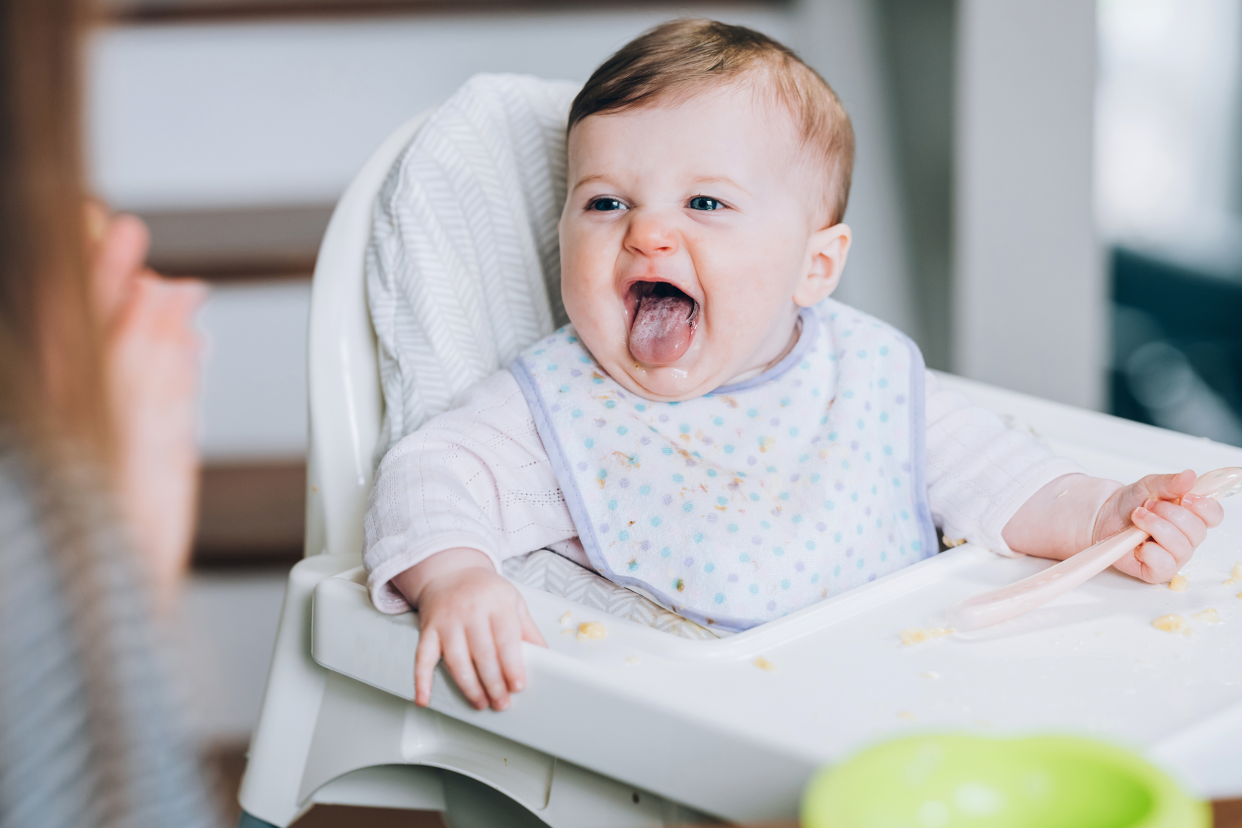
{"x":688,"y":378}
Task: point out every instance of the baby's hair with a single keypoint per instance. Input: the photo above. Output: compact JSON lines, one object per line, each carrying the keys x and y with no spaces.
{"x":681,"y":56}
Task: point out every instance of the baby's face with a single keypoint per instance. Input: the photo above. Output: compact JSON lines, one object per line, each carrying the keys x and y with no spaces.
{"x":688,"y":242}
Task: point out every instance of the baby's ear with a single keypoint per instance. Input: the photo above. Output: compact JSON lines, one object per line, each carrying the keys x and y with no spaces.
{"x":826,"y":251}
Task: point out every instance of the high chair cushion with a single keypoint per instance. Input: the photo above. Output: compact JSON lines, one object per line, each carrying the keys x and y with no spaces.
{"x":463,"y":266}
{"x":546,"y":570}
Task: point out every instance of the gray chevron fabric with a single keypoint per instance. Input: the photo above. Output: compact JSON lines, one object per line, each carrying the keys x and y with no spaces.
{"x":463,"y":267}
{"x":463,"y":271}
{"x":546,"y":570}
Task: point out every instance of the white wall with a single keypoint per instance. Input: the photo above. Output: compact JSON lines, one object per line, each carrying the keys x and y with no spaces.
{"x":223,"y":635}
{"x":258,"y":113}
{"x":1030,"y":292}
{"x":841,"y":39}
{"x":253,"y":398}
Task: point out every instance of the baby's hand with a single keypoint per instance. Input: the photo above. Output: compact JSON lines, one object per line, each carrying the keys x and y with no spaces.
{"x":1159,"y":505}
{"x":475,"y":619}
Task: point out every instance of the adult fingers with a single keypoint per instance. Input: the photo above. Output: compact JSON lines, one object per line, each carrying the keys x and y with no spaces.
{"x":487,"y":663}
{"x":1164,"y":533}
{"x":1208,"y":509}
{"x":461,"y":667}
{"x":530,"y":630}
{"x":119,"y":256}
{"x":426,"y":657}
{"x":508,"y":633}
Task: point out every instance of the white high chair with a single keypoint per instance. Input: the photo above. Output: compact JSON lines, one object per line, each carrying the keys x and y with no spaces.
{"x":646,"y":729}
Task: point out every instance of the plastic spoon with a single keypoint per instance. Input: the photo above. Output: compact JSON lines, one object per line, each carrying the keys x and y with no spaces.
{"x":1025,"y":595}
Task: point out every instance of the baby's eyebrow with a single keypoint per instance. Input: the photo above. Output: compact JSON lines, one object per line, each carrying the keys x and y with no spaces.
{"x":719,"y":179}
{"x":587,"y":179}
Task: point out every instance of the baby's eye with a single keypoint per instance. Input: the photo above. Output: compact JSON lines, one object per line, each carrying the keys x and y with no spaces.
{"x":606,"y":204}
{"x":705,"y":203}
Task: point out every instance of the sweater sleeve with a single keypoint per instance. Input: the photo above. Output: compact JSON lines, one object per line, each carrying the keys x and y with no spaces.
{"x":477,"y":477}
{"x":980,"y":471}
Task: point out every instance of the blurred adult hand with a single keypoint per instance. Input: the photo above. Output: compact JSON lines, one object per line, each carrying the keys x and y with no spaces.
{"x":152,"y":358}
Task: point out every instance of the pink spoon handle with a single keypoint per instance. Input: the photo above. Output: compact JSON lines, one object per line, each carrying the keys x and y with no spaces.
{"x":1038,"y":589}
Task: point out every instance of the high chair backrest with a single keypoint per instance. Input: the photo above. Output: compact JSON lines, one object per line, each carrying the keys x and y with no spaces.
{"x":439,"y":265}
{"x":345,"y":405}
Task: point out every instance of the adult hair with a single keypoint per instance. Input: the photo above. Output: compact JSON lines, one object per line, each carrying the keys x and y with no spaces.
{"x":682,"y":57}
{"x":51,"y":373}
{"x":94,"y":739}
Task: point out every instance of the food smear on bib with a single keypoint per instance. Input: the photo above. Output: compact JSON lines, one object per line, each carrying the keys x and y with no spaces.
{"x":664,"y":321}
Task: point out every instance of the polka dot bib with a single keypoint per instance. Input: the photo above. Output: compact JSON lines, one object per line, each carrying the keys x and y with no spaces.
{"x":758,"y":499}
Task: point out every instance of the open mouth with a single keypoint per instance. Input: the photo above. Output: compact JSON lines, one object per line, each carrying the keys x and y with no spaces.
{"x":663,"y":321}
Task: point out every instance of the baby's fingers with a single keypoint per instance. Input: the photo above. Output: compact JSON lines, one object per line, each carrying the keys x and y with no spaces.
{"x":1208,"y":509}
{"x":461,"y":666}
{"x":530,"y":630}
{"x":1187,"y":522}
{"x":508,"y":632}
{"x":1153,"y":563}
{"x":426,"y":657}
{"x":1165,"y":533}
{"x":483,"y":650}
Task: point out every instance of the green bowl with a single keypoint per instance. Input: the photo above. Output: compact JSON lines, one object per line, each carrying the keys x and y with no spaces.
{"x":946,"y":781}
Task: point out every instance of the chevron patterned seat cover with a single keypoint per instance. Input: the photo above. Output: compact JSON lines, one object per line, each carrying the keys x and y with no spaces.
{"x":463,"y":272}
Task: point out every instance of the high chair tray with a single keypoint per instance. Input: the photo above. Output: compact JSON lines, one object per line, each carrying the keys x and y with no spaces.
{"x":735,"y":726}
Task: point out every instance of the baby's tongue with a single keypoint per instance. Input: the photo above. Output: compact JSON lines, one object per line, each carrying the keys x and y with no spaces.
{"x":662,"y":328}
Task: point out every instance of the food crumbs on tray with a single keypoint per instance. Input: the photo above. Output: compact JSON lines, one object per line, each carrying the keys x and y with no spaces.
{"x":589,"y":630}
{"x":1208,"y":616}
{"x":906,"y":714}
{"x":917,"y":635}
{"x":1228,"y":582}
{"x":565,"y":618}
{"x":1178,"y":583}
{"x":930,"y":674}
{"x":1237,"y":571}
{"x":632,"y":661}
{"x":953,"y":542}
{"x":1172,"y":623}
{"x":567,"y":631}
{"x":763,"y":664}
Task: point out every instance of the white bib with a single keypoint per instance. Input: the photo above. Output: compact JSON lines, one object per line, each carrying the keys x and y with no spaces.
{"x":757,"y":499}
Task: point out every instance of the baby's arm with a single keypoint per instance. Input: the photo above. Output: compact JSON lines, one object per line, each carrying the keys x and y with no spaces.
{"x":1073,"y":512}
{"x":474,"y":618}
{"x":451,"y":501}
{"x":1003,"y":489}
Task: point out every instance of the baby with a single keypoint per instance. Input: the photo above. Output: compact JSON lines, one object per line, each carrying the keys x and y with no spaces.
{"x":712,"y":430}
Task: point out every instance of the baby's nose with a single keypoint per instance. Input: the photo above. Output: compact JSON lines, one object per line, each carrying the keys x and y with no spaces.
{"x":651,"y":236}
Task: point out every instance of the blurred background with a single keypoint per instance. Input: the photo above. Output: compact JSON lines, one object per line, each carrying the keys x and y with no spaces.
{"x":1048,"y":196}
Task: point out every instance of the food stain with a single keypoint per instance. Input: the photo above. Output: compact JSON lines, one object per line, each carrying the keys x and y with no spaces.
{"x":1172,"y":623}
{"x":763,"y":664}
{"x":591,"y":631}
{"x":1208,"y":616}
{"x":917,"y":635}
{"x":1178,"y":583}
